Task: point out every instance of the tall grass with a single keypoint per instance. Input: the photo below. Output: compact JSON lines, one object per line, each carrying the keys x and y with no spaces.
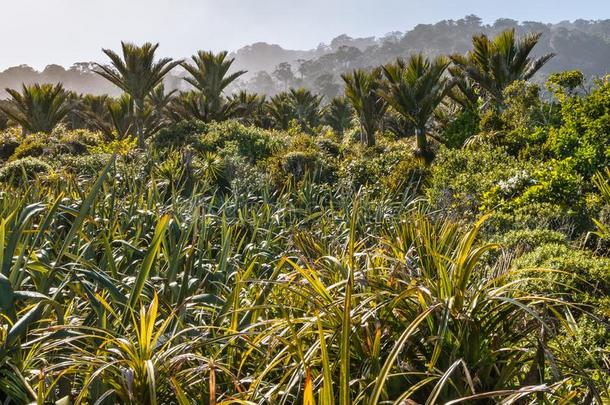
{"x":134,"y":290}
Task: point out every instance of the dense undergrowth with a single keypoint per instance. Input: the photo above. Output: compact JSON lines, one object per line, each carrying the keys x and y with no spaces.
{"x":241,"y":261}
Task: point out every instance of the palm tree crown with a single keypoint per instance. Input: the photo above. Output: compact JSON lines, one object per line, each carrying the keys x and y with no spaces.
{"x":362,"y":91}
{"x":137,"y":74}
{"x":210,"y":73}
{"x":415,"y":88}
{"x":494,"y":64}
{"x":338,"y":114}
{"x":38,"y":108}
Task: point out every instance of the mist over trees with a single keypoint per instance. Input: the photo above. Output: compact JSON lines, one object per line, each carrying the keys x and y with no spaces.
{"x":581,"y":44}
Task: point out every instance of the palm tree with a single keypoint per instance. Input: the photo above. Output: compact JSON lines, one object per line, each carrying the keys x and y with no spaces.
{"x":159,"y":101}
{"x":122,"y":121}
{"x":494,"y":64}
{"x":190,"y":105}
{"x":114,"y":119}
{"x":338,"y":114}
{"x":281,"y":111}
{"x":209,"y":74}
{"x":465,"y":93}
{"x":38,"y":108}
{"x":306,"y":108}
{"x":90,"y":111}
{"x":249,"y":107}
{"x":362,"y":91}
{"x":137,"y":74}
{"x":414,"y":89}
{"x":159,"y":98}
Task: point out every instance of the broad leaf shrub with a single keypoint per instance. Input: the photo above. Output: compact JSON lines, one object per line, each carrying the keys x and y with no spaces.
{"x":460,"y":178}
{"x":179,"y":134}
{"x":233,"y":138}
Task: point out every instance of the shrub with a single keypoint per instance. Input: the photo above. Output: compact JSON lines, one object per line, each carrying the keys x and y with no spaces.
{"x":180,"y":134}
{"x":304,"y":157}
{"x":35,"y":145}
{"x":407,"y":174}
{"x":584,"y":277}
{"x":387,"y":164}
{"x":523,"y":241}
{"x":329,"y":146}
{"x":78,"y":141}
{"x":460,"y":179}
{"x":556,"y":182}
{"x":465,"y":125}
{"x":232,"y":137}
{"x":121,"y":147}
{"x":31,"y":166}
{"x":9,"y":141}
{"x":86,"y":165}
{"x":584,"y":134}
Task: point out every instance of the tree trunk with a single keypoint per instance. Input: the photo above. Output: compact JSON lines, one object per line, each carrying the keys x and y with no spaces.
{"x":367,"y":135}
{"x":370,"y":139}
{"x":422,"y":143}
{"x":139,"y":115}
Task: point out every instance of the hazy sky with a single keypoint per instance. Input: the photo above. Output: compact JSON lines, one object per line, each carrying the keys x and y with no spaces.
{"x":40,"y":32}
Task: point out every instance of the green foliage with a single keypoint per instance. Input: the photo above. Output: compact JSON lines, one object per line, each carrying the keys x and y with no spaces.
{"x":78,"y":141}
{"x":415,"y":88}
{"x":311,"y":264}
{"x":580,"y":276}
{"x":137,"y":73}
{"x":306,"y":107}
{"x":38,"y":108}
{"x":362,"y":91}
{"x":460,"y":179}
{"x":388,"y":167}
{"x":88,"y":166}
{"x":565,"y":83}
{"x":60,"y":141}
{"x":493,"y":64}
{"x":338,"y":114}
{"x":180,"y":134}
{"x":305,"y":158}
{"x":209,"y":75}
{"x":119,"y":146}
{"x":9,"y":141}
{"x":526,"y":240}
{"x":463,"y":127}
{"x":232,"y":137}
{"x":296,"y":108}
{"x":584,"y":135}
{"x":21,"y":170}
{"x":35,"y":145}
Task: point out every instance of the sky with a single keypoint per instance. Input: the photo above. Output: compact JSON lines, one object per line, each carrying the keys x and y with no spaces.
{"x":41,"y":32}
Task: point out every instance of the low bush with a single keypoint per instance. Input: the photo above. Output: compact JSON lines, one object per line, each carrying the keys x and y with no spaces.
{"x":77,"y":141}
{"x":180,"y":134}
{"x":578,"y":274}
{"x":86,"y":165}
{"x":22,"y":170}
{"x":35,"y":145}
{"x":9,"y":141}
{"x":460,"y":179}
{"x":231,"y":137}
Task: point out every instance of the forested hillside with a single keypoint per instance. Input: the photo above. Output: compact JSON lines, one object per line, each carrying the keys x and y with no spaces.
{"x":582,"y":45}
